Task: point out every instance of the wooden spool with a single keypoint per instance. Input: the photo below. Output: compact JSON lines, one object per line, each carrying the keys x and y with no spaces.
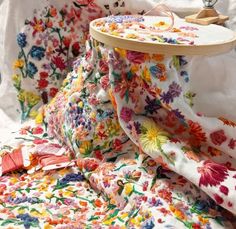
{"x":207,"y":16}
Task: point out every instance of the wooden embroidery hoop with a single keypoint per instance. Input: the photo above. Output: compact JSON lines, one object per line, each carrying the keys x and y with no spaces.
{"x":168,"y":49}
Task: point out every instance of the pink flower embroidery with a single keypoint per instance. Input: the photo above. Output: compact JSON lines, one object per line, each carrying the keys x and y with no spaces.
{"x":212,"y":173}
{"x":135,"y":57}
{"x":105,"y":82}
{"x":103,"y":67}
{"x":218,"y":137}
{"x":126,"y":114}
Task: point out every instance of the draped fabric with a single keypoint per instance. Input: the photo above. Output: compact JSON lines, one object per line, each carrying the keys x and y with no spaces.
{"x":131,"y":140}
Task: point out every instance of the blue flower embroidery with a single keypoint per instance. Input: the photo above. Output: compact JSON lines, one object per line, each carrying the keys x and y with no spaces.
{"x":31,"y":69}
{"x":28,"y":220}
{"x":21,"y":40}
{"x":37,"y":52}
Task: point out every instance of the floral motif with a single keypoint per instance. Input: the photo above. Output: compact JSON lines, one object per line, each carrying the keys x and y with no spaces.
{"x":152,"y":137}
{"x":218,"y":137}
{"x":48,"y":43}
{"x":212,"y":174}
{"x":117,"y":147}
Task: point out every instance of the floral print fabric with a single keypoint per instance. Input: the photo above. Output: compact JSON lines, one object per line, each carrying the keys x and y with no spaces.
{"x":48,"y":43}
{"x":111,"y":181}
{"x":134,"y":90}
{"x":128,"y":191}
{"x":153,"y":110}
{"x":119,"y":147}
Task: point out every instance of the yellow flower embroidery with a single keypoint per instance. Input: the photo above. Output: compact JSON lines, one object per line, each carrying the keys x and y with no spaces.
{"x":85,"y":147}
{"x":21,"y":96}
{"x":68,"y":194}
{"x":124,"y":215}
{"x":112,"y":127}
{"x":14,"y":180}
{"x":43,"y":187}
{"x":203,"y":220}
{"x":29,"y":97}
{"x":39,"y":118}
{"x":32,"y":98}
{"x":135,"y":222}
{"x":146,"y":75}
{"x":38,"y":214}
{"x":47,"y":226}
{"x":33,"y":114}
{"x":108,"y":222}
{"x":128,"y":189}
{"x":153,"y":137}
{"x":92,"y":115}
{"x":48,"y":195}
{"x":16,"y":79}
{"x":21,"y":211}
{"x":131,"y":36}
{"x":122,"y":52}
{"x":81,"y":104}
{"x":134,"y":68}
{"x":18,"y":64}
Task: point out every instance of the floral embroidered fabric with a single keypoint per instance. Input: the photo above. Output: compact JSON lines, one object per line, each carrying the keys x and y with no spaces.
{"x":119,"y":146}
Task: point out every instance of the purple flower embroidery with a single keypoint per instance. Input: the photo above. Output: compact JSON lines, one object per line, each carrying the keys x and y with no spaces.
{"x":126,"y":114}
{"x":175,"y":89}
{"x":178,"y":114}
{"x":152,"y":105}
{"x":167,"y":97}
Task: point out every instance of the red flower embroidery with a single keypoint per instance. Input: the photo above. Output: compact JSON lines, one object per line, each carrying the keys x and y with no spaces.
{"x":196,"y":226}
{"x":43,"y":75}
{"x":196,"y":131}
{"x":126,"y":85}
{"x":117,"y":144}
{"x":76,"y":49}
{"x":212,"y":173}
{"x":218,"y":137}
{"x":39,"y":141}
{"x":218,"y":199}
{"x":53,"y":11}
{"x":37,"y":130}
{"x":53,"y":91}
{"x":166,"y":195}
{"x":230,"y":204}
{"x":91,"y":165}
{"x":42,"y":83}
{"x":37,"y":25}
{"x":67,"y":41}
{"x":59,"y":62}
{"x":232,"y":143}
{"x":98,"y":154}
{"x":224,"y":190}
{"x":3,"y":188}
